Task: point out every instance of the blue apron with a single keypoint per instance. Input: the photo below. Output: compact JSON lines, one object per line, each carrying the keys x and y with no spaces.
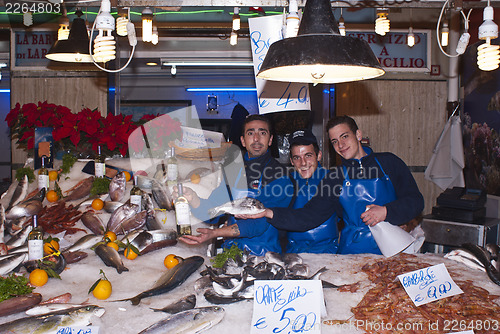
{"x":322,"y":239}
{"x":356,"y":194}
{"x":259,"y":245}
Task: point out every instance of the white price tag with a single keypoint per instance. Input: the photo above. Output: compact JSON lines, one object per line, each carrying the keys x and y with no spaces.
{"x":78,"y":330}
{"x":429,"y":284}
{"x":291,"y":306}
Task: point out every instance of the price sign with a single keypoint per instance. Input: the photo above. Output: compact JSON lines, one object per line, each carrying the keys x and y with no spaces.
{"x":429,"y":284}
{"x":78,"y":330}
{"x":274,"y":96}
{"x":291,"y":306}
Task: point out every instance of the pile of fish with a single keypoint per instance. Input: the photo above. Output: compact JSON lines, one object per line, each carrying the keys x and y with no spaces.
{"x":480,"y":258}
{"x":234,"y":281}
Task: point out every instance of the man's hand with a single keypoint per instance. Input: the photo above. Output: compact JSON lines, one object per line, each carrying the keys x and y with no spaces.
{"x":189,"y":194}
{"x":227,"y":231}
{"x":374,"y":214}
{"x":268,"y":213}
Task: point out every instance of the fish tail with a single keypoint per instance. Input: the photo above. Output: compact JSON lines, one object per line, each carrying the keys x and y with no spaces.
{"x":121,"y":269}
{"x":136,"y":300}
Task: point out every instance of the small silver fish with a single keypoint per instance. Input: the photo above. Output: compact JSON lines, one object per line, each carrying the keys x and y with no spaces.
{"x":110,"y":206}
{"x":9,"y":263}
{"x":132,"y":223}
{"x":24,"y":209}
{"x":117,"y":187}
{"x":20,"y":238}
{"x":47,"y":308}
{"x":110,"y":257}
{"x":124,"y":212}
{"x":242,"y":206}
{"x":190,"y":321}
{"x":85,"y":242}
{"x":465,"y":257}
{"x":3,"y":247}
{"x":20,"y":192}
{"x":162,"y":196}
{"x":93,"y":223}
{"x":183,"y":304}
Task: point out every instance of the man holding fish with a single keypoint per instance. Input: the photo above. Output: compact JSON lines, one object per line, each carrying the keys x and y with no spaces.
{"x":266,"y":181}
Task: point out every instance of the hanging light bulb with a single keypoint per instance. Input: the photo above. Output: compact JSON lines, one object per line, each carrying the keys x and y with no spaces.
{"x":63,"y":31}
{"x":411,"y":37}
{"x":154,"y":36}
{"x":233,"y":39}
{"x":236,"y":19}
{"x":488,"y":56}
{"x":173,"y":70}
{"x":382,"y":23}
{"x":445,"y":33}
{"x":27,"y":19}
{"x":292,"y":20}
{"x":147,"y":25}
{"x":341,"y":24}
{"x":121,"y":22}
{"x":104,"y":43}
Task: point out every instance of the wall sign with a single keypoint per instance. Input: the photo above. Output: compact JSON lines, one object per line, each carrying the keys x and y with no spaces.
{"x":30,"y":47}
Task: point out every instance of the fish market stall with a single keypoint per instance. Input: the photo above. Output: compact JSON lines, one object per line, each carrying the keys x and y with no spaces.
{"x":366,"y":291}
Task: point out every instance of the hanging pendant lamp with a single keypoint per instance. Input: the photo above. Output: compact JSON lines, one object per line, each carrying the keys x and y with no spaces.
{"x":75,"y":49}
{"x":319,"y":54}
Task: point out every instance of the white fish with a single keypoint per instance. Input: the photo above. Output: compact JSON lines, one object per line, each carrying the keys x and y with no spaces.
{"x":3,"y":247}
{"x":47,"y":308}
{"x":85,"y":242}
{"x":117,"y":187}
{"x":9,"y":263}
{"x":462,"y":256}
{"x":242,"y":206}
{"x":20,"y":192}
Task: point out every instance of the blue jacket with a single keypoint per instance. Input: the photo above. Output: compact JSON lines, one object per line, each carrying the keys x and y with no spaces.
{"x":322,"y":239}
{"x":409,"y":201}
{"x":267,"y":181}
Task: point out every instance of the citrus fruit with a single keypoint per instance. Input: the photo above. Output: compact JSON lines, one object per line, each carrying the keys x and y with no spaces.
{"x":50,"y":247}
{"x":127,"y":176}
{"x":102,"y":290}
{"x":38,"y":277}
{"x":113,"y":244}
{"x":195,"y":178}
{"x":97,"y":204}
{"x":130,"y":254}
{"x":170,"y":261}
{"x":111,"y":236}
{"x":53,"y":175}
{"x":52,"y":196}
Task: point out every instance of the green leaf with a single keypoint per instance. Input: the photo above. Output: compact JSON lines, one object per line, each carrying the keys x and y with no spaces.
{"x":94,"y":285}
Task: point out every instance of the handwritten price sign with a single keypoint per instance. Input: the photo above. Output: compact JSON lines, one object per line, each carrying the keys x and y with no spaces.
{"x":78,"y":330}
{"x":429,"y":284}
{"x":274,"y":96}
{"x":288,"y":307}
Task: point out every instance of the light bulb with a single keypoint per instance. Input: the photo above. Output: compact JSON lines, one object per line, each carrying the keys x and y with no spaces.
{"x":488,"y":56}
{"x":121,"y":25}
{"x":318,"y":72}
{"x":104,"y":43}
{"x":63,"y":31}
{"x":147,"y":25}
{"x":173,"y":70}
{"x":411,"y":38}
{"x":341,"y":26}
{"x":27,"y":19}
{"x":236,"y":19}
{"x":382,"y":23}
{"x":445,"y":33}
{"x":233,"y":40}
{"x":154,"y":36}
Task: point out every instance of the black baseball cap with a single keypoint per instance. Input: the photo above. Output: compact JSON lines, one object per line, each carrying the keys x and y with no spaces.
{"x":302,"y":137}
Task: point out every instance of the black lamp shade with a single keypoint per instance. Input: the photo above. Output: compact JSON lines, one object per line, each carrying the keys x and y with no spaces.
{"x":74,"y":49}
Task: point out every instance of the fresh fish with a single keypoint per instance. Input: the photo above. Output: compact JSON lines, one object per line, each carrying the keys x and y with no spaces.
{"x":64,"y":298}
{"x":117,"y":187}
{"x":202,"y":284}
{"x":9,"y":263}
{"x":85,"y":242}
{"x":24,"y":209}
{"x":81,"y":190}
{"x":162,"y":196}
{"x":242,"y":206}
{"x":110,"y":257}
{"x":186,"y":303}
{"x":291,"y":259}
{"x":481,"y":255}
{"x":298,"y":270}
{"x":212,"y":297}
{"x":93,"y":223}
{"x":147,"y":204}
{"x":20,"y":238}
{"x":123,"y":213}
{"x":148,"y":241}
{"x":49,"y":323}
{"x":19,"y":249}
{"x":133,"y":223}
{"x":39,"y":196}
{"x":48,"y":308}
{"x":72,"y":257}
{"x":237,"y":286}
{"x":3,"y":246}
{"x":111,"y":207}
{"x":19,"y":304}
{"x":465,"y":257}
{"x":170,"y":279}
{"x":192,"y":321}
{"x":494,"y":250}
{"x":20,"y":192}
{"x":273,"y":257}
{"x":17,"y":225}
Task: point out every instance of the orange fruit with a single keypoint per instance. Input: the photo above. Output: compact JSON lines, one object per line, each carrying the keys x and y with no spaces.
{"x":50,"y":247}
{"x":52,"y":196}
{"x":130,"y":254}
{"x":98,"y":204}
{"x":113,"y":244}
{"x":170,"y":261}
{"x":53,"y":175}
{"x":127,"y":176}
{"x":103,"y":289}
{"x":38,"y":277}
{"x":195,"y":178}
{"x":111,"y":236}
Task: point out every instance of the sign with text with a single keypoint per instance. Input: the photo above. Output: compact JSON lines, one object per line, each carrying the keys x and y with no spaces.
{"x":198,"y":138}
{"x":30,"y":47}
{"x":78,"y":330}
{"x":274,"y":96}
{"x":429,"y":284}
{"x":291,"y":306}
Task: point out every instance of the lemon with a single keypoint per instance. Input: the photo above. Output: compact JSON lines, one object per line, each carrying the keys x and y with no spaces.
{"x":103,"y":289}
{"x":38,"y":277}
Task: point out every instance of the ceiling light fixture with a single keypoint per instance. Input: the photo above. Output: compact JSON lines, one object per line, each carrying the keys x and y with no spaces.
{"x":104,"y":43}
{"x":411,"y":37}
{"x":233,"y":39}
{"x":382,"y":23}
{"x":63,"y":31}
{"x":292,"y":20}
{"x":445,"y":33}
{"x":154,"y":37}
{"x":173,"y":70}
{"x":319,"y":54}
{"x":488,"y":56}
{"x":122,"y":20}
{"x":341,"y":24}
{"x":147,"y":25}
{"x":28,"y":19}
{"x":74,"y":49}
{"x":236,"y":19}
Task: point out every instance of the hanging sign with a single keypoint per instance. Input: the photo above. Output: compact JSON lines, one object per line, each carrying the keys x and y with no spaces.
{"x":291,"y":306}
{"x":429,"y":284}
{"x":30,"y":47}
{"x":274,"y":96}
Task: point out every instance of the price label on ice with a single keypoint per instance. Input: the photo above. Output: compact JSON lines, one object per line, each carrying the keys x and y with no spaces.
{"x":429,"y":284}
{"x":78,"y":330}
{"x":288,"y":307}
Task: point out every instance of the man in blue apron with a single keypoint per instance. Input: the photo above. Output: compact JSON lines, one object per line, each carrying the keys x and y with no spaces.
{"x":370,"y":188}
{"x":266,"y":180}
{"x":305,"y":156}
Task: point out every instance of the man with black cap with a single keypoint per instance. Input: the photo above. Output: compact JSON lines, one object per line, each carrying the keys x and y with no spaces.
{"x":305,"y":156}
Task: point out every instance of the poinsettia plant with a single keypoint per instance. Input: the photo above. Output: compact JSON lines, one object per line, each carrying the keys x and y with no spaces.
{"x":84,"y":131}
